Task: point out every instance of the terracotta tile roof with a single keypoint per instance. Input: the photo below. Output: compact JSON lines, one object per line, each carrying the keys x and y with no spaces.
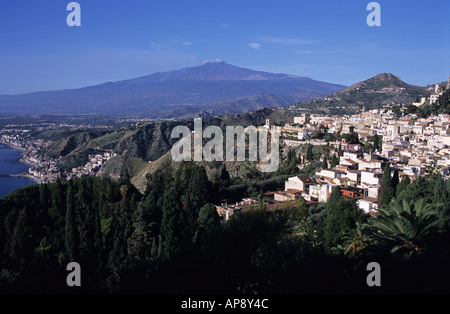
{"x":306,"y":179}
{"x":351,"y":161}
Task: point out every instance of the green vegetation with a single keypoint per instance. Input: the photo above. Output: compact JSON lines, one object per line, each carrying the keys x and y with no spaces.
{"x":387,"y":190}
{"x":170,"y":239}
{"x":442,"y":105}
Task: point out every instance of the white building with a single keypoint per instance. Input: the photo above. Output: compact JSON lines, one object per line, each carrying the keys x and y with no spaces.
{"x":298,"y":183}
{"x":321,"y":192}
{"x":392,"y":131}
{"x":368,"y":204}
{"x":371,"y":177}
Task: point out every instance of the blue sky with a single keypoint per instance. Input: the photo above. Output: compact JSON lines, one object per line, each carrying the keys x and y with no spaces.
{"x":118,"y":39}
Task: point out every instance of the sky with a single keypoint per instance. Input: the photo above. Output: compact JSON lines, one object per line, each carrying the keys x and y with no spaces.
{"x":122,"y":39}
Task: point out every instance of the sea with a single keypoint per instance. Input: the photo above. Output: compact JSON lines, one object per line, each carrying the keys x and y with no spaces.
{"x":11,"y":165}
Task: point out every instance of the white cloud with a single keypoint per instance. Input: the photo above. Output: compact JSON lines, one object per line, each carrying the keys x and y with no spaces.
{"x":254,"y":45}
{"x":304,"y":52}
{"x":186,"y":43}
{"x":291,"y":41}
{"x":155,"y":45}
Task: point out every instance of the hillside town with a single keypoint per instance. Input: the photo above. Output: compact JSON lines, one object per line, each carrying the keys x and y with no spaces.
{"x":412,"y":146}
{"x":44,"y":169}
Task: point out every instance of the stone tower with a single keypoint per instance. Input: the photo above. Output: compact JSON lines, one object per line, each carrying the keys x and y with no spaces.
{"x":448,"y":83}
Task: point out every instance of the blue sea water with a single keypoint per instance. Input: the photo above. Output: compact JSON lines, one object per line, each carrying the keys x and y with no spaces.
{"x":10,"y":164}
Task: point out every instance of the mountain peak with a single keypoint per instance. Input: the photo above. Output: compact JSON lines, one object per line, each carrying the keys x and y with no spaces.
{"x":378,"y":82}
{"x":386,"y":77}
{"x":213,"y":85}
{"x":217,"y":61}
{"x":217,"y":70}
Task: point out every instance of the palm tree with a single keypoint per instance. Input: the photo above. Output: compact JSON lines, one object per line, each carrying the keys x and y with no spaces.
{"x":356,"y":240}
{"x":404,"y":229}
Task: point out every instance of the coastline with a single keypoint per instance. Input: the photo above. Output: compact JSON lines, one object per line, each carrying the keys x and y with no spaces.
{"x":9,"y":145}
{"x":25,"y":174}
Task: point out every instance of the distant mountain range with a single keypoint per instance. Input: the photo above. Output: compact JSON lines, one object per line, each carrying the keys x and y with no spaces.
{"x":210,"y":89}
{"x":382,"y":89}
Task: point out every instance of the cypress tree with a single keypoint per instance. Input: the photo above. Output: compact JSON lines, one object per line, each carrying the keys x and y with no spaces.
{"x":140,"y":239}
{"x":70,"y":229}
{"x":333,"y":221}
{"x":418,"y":189}
{"x":208,"y":227}
{"x":376,"y":143}
{"x":196,"y":195}
{"x":402,"y":185}
{"x":342,"y":215}
{"x":442,"y":199}
{"x":173,"y":225}
{"x":334,"y":161}
{"x":309,"y":152}
{"x":395,"y":181}
{"x":20,"y":238}
{"x":335,"y":197}
{"x":57,"y":215}
{"x":440,"y":190}
{"x":44,"y":196}
{"x":386,"y":191}
{"x":224,"y":177}
{"x":340,"y":151}
{"x":325,"y":163}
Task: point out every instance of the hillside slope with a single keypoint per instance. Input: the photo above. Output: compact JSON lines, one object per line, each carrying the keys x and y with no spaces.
{"x":382,"y":89}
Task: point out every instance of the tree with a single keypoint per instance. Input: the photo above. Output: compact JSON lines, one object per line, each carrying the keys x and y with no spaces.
{"x":146,"y":222}
{"x":351,"y":138}
{"x":334,"y":161}
{"x":298,"y":215}
{"x":377,"y":145}
{"x":386,"y":191}
{"x":340,"y":151}
{"x":173,"y":225}
{"x":333,"y":222}
{"x":325,"y":163}
{"x":309,"y":152}
{"x":118,"y":259}
{"x":20,"y":239}
{"x":404,"y":229}
{"x":44,"y":196}
{"x":402,"y":185}
{"x":395,"y":181}
{"x":356,"y":240}
{"x":196,"y":195}
{"x":70,"y":229}
{"x":441,"y":197}
{"x":224,"y":177}
{"x":208,"y":227}
{"x":342,"y":216}
{"x":419,"y":188}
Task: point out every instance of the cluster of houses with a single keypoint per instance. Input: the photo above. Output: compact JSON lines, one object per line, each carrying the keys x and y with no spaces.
{"x":43,"y":168}
{"x":46,"y":170}
{"x":91,"y":167}
{"x":413,"y":146}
